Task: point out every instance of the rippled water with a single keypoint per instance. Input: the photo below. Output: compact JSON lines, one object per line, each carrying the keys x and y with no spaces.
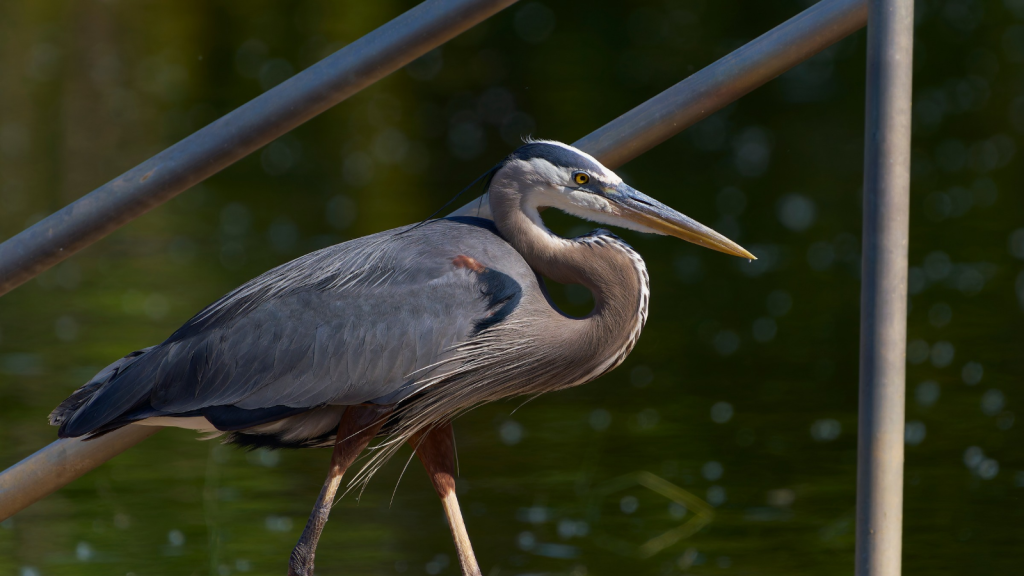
{"x":725,"y":444}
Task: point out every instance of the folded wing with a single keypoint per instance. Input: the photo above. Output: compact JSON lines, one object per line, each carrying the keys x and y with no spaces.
{"x":363,"y":321}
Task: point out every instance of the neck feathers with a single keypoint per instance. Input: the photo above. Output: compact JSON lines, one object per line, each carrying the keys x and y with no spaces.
{"x":622,"y":291}
{"x":600,"y":261}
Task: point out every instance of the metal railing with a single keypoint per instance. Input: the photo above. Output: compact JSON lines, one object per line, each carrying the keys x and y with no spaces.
{"x":883,"y":291}
{"x":237,"y":134}
{"x":718,"y":85}
{"x":883,"y":326}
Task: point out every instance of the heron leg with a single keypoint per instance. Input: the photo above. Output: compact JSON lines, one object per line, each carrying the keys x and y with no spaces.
{"x":436,"y":450}
{"x":359,"y":424}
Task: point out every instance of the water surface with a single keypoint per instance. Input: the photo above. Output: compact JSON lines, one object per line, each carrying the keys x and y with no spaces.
{"x":724,"y":445}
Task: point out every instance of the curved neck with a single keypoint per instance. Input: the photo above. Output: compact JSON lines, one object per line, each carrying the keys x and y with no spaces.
{"x":605,"y":265}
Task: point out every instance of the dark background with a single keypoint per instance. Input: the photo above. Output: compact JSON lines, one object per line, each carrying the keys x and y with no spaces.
{"x":742,"y":391}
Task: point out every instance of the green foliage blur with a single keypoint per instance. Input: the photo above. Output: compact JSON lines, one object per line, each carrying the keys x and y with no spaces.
{"x":742,"y":391}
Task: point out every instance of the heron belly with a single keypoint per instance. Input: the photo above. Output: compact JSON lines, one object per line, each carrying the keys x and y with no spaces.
{"x":197,"y":423}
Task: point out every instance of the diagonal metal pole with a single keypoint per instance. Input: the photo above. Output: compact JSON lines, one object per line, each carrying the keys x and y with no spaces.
{"x":189,"y":162}
{"x":237,"y":134}
{"x":61,"y":462}
{"x":638,"y":130}
{"x":717,"y":86}
{"x":883,"y":324}
{"x":727,"y":80}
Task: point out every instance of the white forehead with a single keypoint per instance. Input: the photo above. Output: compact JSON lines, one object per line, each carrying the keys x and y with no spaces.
{"x":557,"y":165}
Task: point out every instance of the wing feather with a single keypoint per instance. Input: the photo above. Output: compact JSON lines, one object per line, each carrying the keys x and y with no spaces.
{"x":346,"y":325}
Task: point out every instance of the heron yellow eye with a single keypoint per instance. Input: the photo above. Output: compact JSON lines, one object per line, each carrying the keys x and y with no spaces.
{"x":581,"y":178}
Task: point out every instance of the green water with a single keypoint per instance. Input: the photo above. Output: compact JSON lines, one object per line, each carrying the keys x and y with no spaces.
{"x":739,"y":401}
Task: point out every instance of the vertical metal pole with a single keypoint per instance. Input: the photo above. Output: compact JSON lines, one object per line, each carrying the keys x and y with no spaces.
{"x":883,"y":335}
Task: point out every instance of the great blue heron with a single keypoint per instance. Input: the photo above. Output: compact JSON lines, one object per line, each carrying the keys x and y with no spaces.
{"x":396,"y":333}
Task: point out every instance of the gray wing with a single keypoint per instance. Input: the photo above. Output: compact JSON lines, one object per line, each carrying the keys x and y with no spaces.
{"x":353,"y":323}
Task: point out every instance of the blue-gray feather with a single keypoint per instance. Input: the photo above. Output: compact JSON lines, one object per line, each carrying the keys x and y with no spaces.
{"x":353,"y":323}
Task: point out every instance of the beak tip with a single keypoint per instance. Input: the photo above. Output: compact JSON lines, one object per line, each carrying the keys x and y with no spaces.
{"x":740,"y":252}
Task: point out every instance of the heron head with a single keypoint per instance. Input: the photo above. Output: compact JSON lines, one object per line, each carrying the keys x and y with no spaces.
{"x":556,"y":175}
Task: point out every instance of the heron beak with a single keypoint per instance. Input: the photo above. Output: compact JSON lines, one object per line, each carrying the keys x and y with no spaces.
{"x":640,"y":208}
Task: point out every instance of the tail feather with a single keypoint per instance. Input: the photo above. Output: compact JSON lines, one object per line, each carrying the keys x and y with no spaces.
{"x":62,"y":414}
